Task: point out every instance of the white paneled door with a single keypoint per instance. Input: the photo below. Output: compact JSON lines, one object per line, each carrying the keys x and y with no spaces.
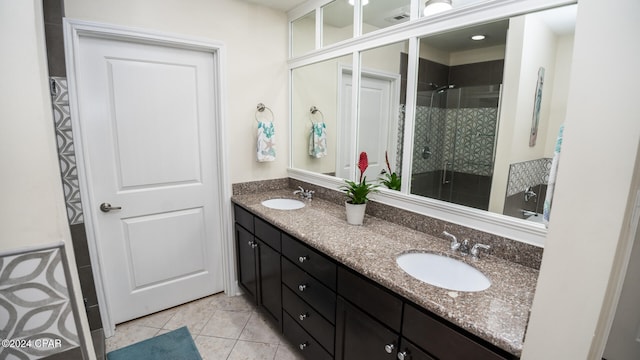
{"x":147,"y":118}
{"x":377,"y":129}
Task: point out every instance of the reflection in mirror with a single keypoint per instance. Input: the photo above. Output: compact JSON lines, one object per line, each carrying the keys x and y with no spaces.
{"x":381,"y":115}
{"x":381,"y":14}
{"x":474,"y":108}
{"x":456,"y":111}
{"x":303,"y":32}
{"x":317,"y":85}
{"x":337,"y":21}
{"x":538,"y":40}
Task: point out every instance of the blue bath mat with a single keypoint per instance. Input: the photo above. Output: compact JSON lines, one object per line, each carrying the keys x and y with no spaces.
{"x":175,"y":345}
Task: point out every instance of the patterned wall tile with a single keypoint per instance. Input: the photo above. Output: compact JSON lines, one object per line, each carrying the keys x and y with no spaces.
{"x":35,"y":300}
{"x":463,"y":138}
{"x":66,"y":150}
{"x":528,"y":173}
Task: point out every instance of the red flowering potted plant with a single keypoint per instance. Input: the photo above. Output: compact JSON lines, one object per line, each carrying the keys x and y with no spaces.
{"x":389,"y":178}
{"x":358,"y":193}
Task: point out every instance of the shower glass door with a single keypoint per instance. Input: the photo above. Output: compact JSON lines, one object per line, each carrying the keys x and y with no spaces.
{"x":454,"y":144}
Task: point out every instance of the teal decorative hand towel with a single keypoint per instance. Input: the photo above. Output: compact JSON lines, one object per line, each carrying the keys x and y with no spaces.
{"x":266,"y":147}
{"x":546,"y":211}
{"x":318,"y":140}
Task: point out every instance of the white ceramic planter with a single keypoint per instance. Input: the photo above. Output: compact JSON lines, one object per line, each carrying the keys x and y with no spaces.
{"x":355,"y":213}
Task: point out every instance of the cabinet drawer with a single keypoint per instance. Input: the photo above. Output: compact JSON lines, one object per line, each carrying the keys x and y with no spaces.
{"x":310,"y":261}
{"x":243,"y":217}
{"x":267,"y":233}
{"x":409,"y":351}
{"x":317,"y":326}
{"x":442,"y":340}
{"x":370,"y":297}
{"x":320,"y":297}
{"x":303,"y":343}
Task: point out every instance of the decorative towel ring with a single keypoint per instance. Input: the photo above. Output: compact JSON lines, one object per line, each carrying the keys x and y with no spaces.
{"x":315,"y":110}
{"x":261,"y":108}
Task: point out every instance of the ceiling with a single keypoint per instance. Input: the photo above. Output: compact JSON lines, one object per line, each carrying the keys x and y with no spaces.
{"x":283,"y":5}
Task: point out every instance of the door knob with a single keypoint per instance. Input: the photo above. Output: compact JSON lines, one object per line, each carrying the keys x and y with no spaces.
{"x":106,"y":207}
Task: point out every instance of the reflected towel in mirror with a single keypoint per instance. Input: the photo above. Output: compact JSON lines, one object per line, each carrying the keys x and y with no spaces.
{"x":546,"y":212}
{"x":266,"y":147}
{"x":318,"y":140}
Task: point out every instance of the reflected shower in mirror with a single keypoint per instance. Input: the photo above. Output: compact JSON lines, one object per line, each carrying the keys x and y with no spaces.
{"x":454,"y":142}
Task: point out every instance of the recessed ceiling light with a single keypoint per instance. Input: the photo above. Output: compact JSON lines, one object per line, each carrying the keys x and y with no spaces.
{"x":478,"y":37}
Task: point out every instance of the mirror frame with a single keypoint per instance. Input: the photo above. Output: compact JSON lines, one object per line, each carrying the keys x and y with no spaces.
{"x":416,"y":28}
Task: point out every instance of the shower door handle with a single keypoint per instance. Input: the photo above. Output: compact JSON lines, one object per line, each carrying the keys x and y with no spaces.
{"x":444,"y":173}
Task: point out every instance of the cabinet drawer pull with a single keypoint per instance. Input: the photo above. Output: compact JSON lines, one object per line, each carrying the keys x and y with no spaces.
{"x":302,"y":259}
{"x":302,"y":287}
{"x":403,"y":355}
{"x":303,"y":345}
{"x":389,"y":348}
{"x":303,"y":316}
{"x":253,"y":244}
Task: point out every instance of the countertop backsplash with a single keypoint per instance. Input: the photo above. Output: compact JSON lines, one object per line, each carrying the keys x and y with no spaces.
{"x":507,"y":249}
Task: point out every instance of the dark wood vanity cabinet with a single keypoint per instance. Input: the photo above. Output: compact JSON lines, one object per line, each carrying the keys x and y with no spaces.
{"x":360,"y":336}
{"x":258,"y":263}
{"x":328,"y":311}
{"x":368,"y":319}
{"x":309,"y":299}
{"x":442,"y":340}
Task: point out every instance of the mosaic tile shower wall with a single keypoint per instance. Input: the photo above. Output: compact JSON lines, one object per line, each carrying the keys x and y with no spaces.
{"x":528,"y":173}
{"x":66,"y":151}
{"x":466,"y":135}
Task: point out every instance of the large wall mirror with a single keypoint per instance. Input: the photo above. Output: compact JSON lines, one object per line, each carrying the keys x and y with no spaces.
{"x":475,"y":106}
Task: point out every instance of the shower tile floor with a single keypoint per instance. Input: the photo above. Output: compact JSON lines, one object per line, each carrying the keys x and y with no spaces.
{"x":223,"y":327}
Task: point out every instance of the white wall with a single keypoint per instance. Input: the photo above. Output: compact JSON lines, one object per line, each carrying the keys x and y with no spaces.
{"x":590,"y":216}
{"x":33,"y":210}
{"x":256,"y":68}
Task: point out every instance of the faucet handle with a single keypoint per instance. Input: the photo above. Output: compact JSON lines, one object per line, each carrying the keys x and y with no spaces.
{"x":475,"y":250}
{"x":454,"y":241}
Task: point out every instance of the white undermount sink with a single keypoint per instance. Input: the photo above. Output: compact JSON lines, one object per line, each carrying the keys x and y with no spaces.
{"x":443,"y":271}
{"x":283,"y":204}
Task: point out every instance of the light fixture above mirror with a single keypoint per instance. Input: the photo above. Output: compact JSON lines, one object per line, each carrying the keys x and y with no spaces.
{"x":432,"y":7}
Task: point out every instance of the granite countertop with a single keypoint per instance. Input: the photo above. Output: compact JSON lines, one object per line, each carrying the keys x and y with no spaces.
{"x":498,"y":314}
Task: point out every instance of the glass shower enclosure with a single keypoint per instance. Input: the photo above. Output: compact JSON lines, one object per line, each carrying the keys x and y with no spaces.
{"x":454,"y":143}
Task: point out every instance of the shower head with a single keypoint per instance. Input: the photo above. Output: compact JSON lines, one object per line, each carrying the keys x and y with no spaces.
{"x":444,"y":88}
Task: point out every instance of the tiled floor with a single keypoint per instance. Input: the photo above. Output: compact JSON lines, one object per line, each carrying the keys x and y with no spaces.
{"x":222,"y":327}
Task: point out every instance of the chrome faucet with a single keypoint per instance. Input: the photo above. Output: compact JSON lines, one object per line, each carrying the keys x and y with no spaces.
{"x":475,"y":250}
{"x":464,"y":247}
{"x":305,"y":194}
{"x":529,"y":194}
{"x":455,"y":245}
